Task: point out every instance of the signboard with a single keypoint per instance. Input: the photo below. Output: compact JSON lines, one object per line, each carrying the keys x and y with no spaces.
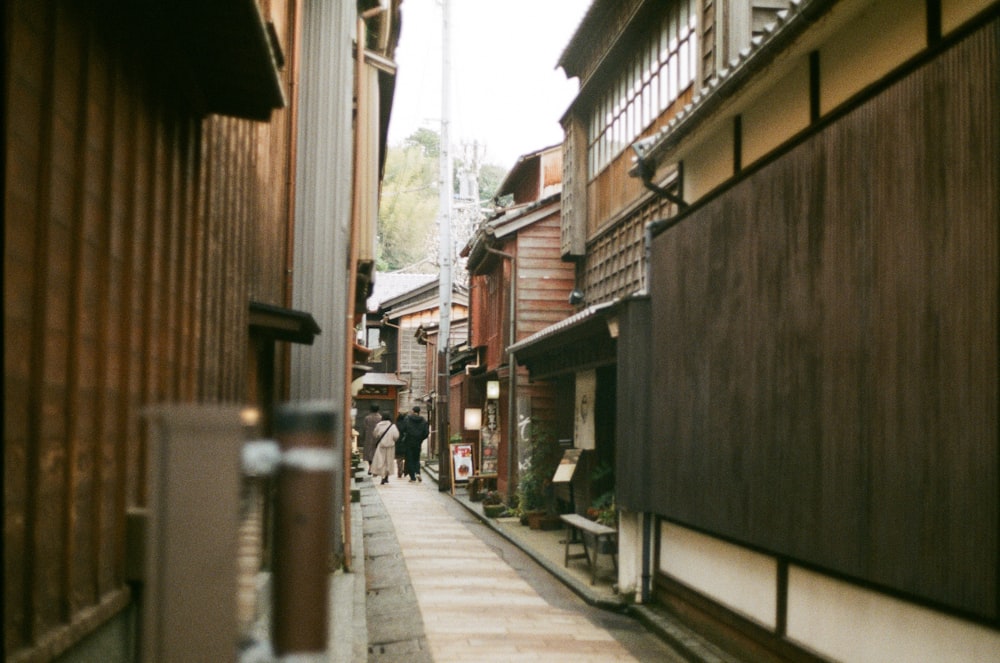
{"x":490,"y":440}
{"x":567,"y":466}
{"x":583,"y":420}
{"x":462,"y":465}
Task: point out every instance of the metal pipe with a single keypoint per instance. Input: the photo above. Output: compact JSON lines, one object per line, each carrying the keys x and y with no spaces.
{"x":357,"y":207}
{"x":646,"y":172}
{"x":290,"y":182}
{"x":647,"y":540}
{"x":652,"y":229}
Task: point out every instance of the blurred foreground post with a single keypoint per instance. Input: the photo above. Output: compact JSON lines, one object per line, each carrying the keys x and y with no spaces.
{"x":189,"y":601}
{"x":303,"y":521}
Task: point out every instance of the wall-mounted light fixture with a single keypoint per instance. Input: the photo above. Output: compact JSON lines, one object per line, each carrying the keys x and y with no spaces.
{"x":576,"y":297}
{"x":493,"y":389}
{"x":473,"y":418}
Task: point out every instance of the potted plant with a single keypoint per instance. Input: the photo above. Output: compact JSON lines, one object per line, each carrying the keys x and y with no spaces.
{"x":493,"y":505}
{"x":475,"y":489}
{"x":534,"y":488}
{"x":605,"y":512}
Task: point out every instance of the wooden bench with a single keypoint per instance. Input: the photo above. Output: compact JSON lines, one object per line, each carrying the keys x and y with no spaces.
{"x":577,"y":524}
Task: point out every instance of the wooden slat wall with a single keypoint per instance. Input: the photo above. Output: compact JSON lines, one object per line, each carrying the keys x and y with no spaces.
{"x":494,"y":310}
{"x":543,"y":281}
{"x":827,"y":345}
{"x":134,"y":235}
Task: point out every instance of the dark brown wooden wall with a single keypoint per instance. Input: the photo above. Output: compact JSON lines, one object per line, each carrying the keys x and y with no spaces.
{"x":635,"y":473}
{"x":825,"y":356}
{"x":136,"y":234}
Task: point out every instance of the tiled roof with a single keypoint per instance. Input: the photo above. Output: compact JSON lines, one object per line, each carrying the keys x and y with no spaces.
{"x":787,"y":26}
{"x":389,"y":285}
{"x":565,"y":324}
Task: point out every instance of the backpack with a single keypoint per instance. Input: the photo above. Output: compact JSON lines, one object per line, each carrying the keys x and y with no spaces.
{"x":418,"y":428}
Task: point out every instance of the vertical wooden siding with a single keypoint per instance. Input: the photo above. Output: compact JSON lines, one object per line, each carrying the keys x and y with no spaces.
{"x":129,"y":224}
{"x":634,"y":470}
{"x":827,"y":344}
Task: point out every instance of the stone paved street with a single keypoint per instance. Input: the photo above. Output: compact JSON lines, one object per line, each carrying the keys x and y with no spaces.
{"x":438,"y":591}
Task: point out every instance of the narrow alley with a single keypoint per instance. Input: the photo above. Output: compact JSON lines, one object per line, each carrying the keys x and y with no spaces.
{"x":441,"y":586}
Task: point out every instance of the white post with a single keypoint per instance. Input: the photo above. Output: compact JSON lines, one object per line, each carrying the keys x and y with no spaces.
{"x":445,"y":258}
{"x":445,"y":183}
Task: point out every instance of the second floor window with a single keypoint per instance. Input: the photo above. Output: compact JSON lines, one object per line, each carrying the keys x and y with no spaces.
{"x":658,"y":72}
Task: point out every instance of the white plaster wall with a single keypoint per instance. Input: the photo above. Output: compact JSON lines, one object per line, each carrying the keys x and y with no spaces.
{"x":777,"y":115}
{"x":848,"y":623}
{"x":709,"y":163}
{"x":630,"y":553}
{"x":743,"y":581}
{"x":956,"y":12}
{"x":881,"y":37}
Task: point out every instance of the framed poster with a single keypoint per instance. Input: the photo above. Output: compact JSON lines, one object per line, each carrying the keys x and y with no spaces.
{"x":462,"y":463}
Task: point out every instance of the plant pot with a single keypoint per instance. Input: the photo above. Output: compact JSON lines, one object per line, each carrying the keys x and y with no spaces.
{"x":539,"y":520}
{"x":494,"y":510}
{"x":532,"y":519}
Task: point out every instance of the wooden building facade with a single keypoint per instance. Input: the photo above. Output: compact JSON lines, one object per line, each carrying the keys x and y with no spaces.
{"x":784,"y":222}
{"x":518,"y":286}
{"x":831,"y":380}
{"x":402,"y":333}
{"x":150,"y":155}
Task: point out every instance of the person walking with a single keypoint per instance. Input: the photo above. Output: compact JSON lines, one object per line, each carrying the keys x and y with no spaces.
{"x":415,"y":429}
{"x":386,"y":435}
{"x":400,"y":446}
{"x":368,"y":442}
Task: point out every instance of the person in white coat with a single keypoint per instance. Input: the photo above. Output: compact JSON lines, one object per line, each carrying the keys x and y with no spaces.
{"x":384,"y":461}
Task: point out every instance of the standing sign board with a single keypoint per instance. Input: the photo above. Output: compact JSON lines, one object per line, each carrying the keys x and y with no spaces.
{"x":462,"y":463}
{"x":567,"y":466}
{"x":562,"y":480}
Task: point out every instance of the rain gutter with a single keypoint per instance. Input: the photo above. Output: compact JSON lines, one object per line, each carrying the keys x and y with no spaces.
{"x":512,"y":380}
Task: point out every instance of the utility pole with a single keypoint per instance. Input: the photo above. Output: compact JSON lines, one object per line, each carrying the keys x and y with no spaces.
{"x":445,"y":279}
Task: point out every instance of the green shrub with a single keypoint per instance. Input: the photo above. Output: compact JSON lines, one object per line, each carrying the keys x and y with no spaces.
{"x":534,"y":488}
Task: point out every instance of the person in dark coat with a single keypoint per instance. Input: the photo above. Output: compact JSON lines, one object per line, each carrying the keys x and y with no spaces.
{"x":415,"y":430}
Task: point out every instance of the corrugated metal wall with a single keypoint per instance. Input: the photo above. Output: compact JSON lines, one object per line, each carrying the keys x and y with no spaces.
{"x":128,"y":263}
{"x":323,"y":211}
{"x":323,"y":197}
{"x":826,"y":350}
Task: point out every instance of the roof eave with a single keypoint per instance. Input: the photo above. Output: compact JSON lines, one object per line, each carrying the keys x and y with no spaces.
{"x":659,"y":148}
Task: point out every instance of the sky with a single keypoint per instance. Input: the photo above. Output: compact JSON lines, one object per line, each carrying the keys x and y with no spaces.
{"x":506,"y":92}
